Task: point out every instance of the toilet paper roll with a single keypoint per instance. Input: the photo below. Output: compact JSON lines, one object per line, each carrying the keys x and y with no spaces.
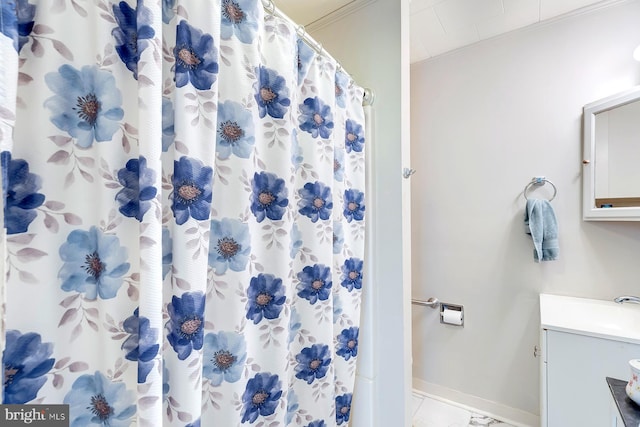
{"x":453,"y":317}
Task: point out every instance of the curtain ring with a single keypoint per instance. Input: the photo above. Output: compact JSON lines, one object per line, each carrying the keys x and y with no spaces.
{"x":300,"y":31}
{"x":270,"y":7}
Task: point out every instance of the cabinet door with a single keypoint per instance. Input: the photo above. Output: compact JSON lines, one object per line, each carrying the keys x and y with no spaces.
{"x":577,"y":367}
{"x":614,"y":415}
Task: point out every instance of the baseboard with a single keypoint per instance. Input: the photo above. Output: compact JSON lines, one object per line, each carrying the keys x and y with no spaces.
{"x":476,"y":404}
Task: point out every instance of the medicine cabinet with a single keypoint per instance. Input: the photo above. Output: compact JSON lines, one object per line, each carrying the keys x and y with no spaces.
{"x":611,"y":158}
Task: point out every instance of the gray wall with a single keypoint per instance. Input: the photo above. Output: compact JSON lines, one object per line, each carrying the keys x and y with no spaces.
{"x":485,"y":120}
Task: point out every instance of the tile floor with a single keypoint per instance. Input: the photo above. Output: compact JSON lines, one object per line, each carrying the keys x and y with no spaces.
{"x":430,"y":412}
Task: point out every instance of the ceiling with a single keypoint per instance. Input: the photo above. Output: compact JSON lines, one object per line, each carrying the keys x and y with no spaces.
{"x":439,"y":26}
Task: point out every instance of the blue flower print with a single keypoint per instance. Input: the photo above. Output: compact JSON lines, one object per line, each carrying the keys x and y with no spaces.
{"x":305,"y":55}
{"x":17,"y":20}
{"x":353,"y":137}
{"x":86,"y":104}
{"x":315,"y":201}
{"x":337,"y":307}
{"x":167,"y":10}
{"x":342,"y":83}
{"x":296,"y":241}
{"x":134,"y":28}
{"x":165,"y":381}
{"x":261,"y":396}
{"x":348,"y":343}
{"x":292,"y":406}
{"x":167,"y":252}
{"x":9,"y":20}
{"x":272,"y":93}
{"x":313,"y":362}
{"x":315,"y":118}
{"x":20,"y":194}
{"x":138,"y":190}
{"x":26,"y":360}
{"x":168,"y":129}
{"x":186,"y":323}
{"x":230,"y":245}
{"x":266,"y":296}
{"x":191,"y":190}
{"x":142,"y":344}
{"x":296,"y":151}
{"x":317,"y":423}
{"x":224,"y":355}
{"x":315,"y":283}
{"x":239,"y":17}
{"x":269,"y":196}
{"x":95,"y":400}
{"x":196,"y":56}
{"x":295,"y":323}
{"x":196,"y":423}
{"x":352,"y":274}
{"x":353,"y":205}
{"x":338,"y":164}
{"x":338,"y":237}
{"x":235,"y":131}
{"x":94,"y":263}
{"x":343,"y":408}
{"x":25,"y":13}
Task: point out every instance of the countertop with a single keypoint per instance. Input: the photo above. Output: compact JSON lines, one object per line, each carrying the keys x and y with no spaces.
{"x":629,"y":411}
{"x":591,"y":317}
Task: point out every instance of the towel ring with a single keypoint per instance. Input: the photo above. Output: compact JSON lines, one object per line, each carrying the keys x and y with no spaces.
{"x":539,"y":181}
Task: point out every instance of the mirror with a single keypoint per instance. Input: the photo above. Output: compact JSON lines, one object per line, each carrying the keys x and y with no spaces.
{"x":611,"y":150}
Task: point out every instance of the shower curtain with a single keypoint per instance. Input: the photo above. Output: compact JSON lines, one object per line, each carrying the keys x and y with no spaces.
{"x":183,"y":187}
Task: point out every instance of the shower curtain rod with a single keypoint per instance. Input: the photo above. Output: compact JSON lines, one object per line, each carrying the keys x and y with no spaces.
{"x":271,"y":8}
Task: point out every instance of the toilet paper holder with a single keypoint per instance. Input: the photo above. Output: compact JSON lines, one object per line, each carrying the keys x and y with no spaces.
{"x":451,"y":314}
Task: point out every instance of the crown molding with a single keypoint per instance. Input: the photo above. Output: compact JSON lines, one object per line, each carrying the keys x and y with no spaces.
{"x":337,"y":14}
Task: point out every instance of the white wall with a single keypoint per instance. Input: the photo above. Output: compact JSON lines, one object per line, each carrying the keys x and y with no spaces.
{"x":369,"y":45}
{"x":484,"y":121}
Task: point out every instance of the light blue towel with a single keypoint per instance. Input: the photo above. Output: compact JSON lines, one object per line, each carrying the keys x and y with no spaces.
{"x":540,"y":222}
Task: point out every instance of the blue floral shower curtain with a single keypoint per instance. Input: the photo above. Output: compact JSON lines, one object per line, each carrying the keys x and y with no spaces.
{"x":184,"y":211}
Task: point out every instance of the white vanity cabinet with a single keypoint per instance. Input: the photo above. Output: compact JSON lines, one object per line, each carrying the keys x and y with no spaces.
{"x":615,"y":419}
{"x":576,"y":367}
{"x":583,"y":342}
